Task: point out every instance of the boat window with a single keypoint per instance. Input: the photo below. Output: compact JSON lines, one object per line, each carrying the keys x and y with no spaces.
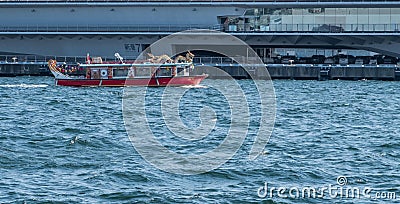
{"x":164,"y":71}
{"x":120,"y":72}
{"x":144,"y":71}
{"x":95,"y":74}
{"x":180,"y":71}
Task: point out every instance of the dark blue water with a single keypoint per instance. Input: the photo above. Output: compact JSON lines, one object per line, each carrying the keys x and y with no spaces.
{"x":69,"y":145}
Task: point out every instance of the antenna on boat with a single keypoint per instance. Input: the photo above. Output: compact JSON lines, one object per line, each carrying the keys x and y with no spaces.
{"x":119,"y":57}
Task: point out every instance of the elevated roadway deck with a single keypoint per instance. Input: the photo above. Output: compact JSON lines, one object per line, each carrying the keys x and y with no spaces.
{"x":75,"y":27}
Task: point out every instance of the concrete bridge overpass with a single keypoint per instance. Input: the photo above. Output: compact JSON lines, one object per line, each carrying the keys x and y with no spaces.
{"x":75,"y":27}
{"x":132,"y":43}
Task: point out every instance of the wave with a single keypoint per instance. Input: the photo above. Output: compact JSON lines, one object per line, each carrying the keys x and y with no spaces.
{"x":24,"y":85}
{"x":195,"y":86}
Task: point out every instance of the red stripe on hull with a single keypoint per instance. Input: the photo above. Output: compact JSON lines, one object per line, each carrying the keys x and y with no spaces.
{"x":164,"y":81}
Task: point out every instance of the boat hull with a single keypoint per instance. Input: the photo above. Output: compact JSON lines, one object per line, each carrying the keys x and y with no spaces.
{"x":161,"y":81}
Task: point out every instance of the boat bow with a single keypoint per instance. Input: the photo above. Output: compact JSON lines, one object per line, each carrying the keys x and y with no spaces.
{"x":56,"y":70}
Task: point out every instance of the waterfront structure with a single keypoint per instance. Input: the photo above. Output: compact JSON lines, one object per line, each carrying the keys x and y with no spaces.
{"x":63,"y":28}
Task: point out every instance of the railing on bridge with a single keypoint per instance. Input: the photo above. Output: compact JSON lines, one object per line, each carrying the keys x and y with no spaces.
{"x":202,"y":60}
{"x":81,"y":59}
{"x":155,"y":1}
{"x":318,"y":28}
{"x":277,"y":28}
{"x":35,"y":59}
{"x":110,"y":28}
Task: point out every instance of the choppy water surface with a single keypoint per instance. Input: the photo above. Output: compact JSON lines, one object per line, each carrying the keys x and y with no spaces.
{"x":70,"y":145}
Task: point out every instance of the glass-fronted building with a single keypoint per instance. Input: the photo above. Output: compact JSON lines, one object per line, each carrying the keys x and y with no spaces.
{"x":315,"y":19}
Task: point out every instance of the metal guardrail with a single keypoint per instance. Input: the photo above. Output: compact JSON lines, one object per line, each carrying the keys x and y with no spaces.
{"x":318,"y":28}
{"x":111,"y":28}
{"x":43,"y":59}
{"x":81,"y":59}
{"x":207,"y":61}
{"x":274,"y":28}
{"x":155,"y":1}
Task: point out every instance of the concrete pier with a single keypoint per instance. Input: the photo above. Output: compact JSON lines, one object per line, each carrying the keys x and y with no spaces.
{"x":20,"y":69}
{"x":293,"y":72}
{"x":356,"y":73}
{"x":276,"y":71}
{"x":308,"y":72}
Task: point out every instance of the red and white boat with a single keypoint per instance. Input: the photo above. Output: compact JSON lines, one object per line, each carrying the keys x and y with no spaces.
{"x":157,"y":71}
